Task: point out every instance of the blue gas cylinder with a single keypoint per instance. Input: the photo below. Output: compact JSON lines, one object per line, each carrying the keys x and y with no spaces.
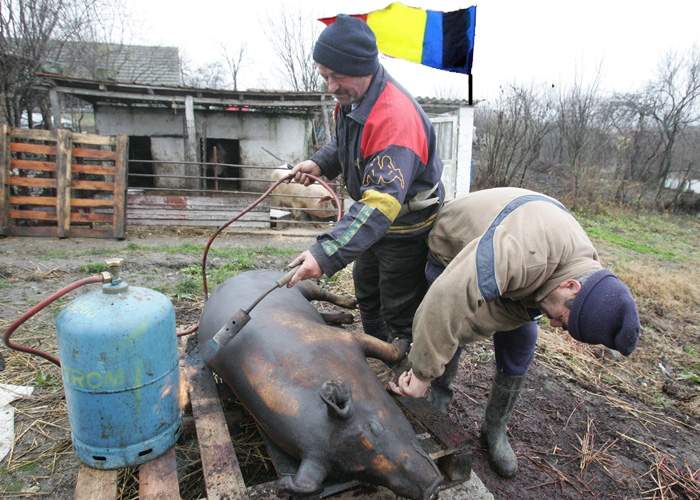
{"x":119,"y":363}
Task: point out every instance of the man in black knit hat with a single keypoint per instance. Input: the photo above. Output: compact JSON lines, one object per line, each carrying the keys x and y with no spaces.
{"x":385,"y":149}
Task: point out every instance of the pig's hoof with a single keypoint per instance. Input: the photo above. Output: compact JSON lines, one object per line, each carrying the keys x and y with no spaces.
{"x":289,"y":485}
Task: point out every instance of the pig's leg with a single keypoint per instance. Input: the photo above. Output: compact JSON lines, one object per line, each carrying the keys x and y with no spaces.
{"x":375,"y":348}
{"x":337,"y":318}
{"x":308,"y":479}
{"x":312,"y":291}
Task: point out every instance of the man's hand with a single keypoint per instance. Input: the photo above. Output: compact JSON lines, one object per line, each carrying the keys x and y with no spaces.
{"x":409,"y":385}
{"x":309,"y":268}
{"x":306,"y":167}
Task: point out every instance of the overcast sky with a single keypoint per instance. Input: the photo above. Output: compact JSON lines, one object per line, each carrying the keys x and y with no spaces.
{"x":537,"y":41}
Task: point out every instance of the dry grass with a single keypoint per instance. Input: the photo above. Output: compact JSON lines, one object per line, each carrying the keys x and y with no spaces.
{"x":671,"y":481}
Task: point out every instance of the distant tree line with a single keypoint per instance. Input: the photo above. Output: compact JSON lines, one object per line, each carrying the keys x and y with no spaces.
{"x":640,"y":148}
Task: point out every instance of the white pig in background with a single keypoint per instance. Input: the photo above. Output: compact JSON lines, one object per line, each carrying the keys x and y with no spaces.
{"x":304,"y":202}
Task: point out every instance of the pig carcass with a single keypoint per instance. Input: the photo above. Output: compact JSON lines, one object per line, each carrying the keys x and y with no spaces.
{"x":304,"y":202}
{"x":309,"y":387}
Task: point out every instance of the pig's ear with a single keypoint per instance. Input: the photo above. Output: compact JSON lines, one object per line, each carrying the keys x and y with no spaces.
{"x":338,"y":397}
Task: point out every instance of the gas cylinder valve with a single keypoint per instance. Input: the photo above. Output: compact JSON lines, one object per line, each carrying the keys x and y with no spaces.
{"x":116,"y":284}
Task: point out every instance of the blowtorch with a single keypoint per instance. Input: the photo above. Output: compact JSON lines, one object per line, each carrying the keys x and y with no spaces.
{"x":238,"y":320}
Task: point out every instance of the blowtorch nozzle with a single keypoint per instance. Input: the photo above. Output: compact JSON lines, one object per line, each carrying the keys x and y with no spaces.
{"x":239,"y":319}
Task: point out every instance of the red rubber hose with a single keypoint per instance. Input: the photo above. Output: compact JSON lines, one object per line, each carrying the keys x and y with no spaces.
{"x":97,"y":278}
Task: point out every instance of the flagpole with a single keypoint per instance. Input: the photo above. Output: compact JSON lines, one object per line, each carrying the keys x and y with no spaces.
{"x":470,"y":96}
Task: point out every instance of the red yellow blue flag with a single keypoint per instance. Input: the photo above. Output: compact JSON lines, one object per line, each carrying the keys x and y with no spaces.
{"x":442,"y":40}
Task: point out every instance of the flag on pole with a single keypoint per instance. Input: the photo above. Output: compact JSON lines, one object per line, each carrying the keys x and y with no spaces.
{"x":442,"y":40}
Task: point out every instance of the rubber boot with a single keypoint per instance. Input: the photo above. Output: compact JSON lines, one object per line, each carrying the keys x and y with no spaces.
{"x":441,"y":388}
{"x":504,"y":393}
{"x":374,"y":326}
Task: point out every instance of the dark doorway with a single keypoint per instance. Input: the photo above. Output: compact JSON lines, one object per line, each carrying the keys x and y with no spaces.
{"x":224,"y":177}
{"x":140,"y":172}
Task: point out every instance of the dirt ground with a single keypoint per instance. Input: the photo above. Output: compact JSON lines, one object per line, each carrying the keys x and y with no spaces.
{"x":588,"y":425}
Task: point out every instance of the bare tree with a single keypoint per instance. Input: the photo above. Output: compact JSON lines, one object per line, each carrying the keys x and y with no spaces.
{"x":211,"y":75}
{"x":675,"y":91}
{"x":511,"y":135}
{"x":29,"y":31}
{"x":292,"y":35}
{"x":575,"y":121}
{"x":233,"y":60}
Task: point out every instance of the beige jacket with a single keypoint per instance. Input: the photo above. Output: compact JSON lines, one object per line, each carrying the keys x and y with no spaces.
{"x":505,"y":250}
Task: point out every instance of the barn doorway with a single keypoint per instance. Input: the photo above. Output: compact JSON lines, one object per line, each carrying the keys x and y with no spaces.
{"x":140,"y":170}
{"x":223,"y":177}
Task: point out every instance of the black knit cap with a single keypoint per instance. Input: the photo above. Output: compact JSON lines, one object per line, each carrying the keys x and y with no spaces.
{"x":347,"y":47}
{"x":604,"y":312}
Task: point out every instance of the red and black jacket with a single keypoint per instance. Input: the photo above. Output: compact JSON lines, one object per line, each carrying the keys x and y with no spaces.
{"x":386,"y":150}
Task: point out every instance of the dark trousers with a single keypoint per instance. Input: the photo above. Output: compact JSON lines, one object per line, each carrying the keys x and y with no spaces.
{"x":514,"y":349}
{"x":390,"y":284}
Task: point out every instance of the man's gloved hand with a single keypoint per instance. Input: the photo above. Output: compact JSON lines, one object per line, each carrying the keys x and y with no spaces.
{"x":306,"y":167}
{"x":308,"y":268}
{"x":410,"y":385}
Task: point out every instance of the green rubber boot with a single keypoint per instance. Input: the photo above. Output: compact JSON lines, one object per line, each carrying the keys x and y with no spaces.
{"x":504,"y":393}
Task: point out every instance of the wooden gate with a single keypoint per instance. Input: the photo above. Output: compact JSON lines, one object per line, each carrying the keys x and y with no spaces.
{"x":59,"y":183}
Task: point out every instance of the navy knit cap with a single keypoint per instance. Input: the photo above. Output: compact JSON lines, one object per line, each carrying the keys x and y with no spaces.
{"x":604,"y":312}
{"x":347,"y":47}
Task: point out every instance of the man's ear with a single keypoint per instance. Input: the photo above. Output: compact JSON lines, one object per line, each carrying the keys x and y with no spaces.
{"x":571,"y":284}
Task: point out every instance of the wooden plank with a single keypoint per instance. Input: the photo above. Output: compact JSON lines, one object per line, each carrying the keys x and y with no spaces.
{"x":438,"y":425}
{"x":31,"y":230}
{"x":90,"y":217}
{"x":85,"y":168}
{"x":222,"y":474}
{"x":101,"y":154}
{"x":39,"y":149}
{"x":89,"y":232}
{"x":4,"y":173}
{"x":44,"y":166}
{"x":158,"y":478}
{"x":46,"y":201}
{"x":90,"y":202}
{"x":32,"y":214}
{"x":31,"y":181}
{"x":93,"y":139}
{"x":95,"y":484}
{"x":120,"y":184}
{"x":63,"y":181}
{"x":33,"y":134}
{"x":94,"y":185}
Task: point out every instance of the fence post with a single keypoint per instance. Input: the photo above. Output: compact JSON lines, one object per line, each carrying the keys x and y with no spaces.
{"x":121,"y":166}
{"x":4,"y":172}
{"x":64,"y":150}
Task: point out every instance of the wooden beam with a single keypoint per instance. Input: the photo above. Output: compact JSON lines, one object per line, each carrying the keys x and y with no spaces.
{"x":46,"y":201}
{"x":95,"y":484}
{"x":14,"y":180}
{"x":32,"y":214}
{"x":190,"y":131}
{"x":222,"y":474}
{"x":5,"y":157}
{"x":94,"y":185}
{"x":39,"y":149}
{"x":158,"y":478}
{"x":45,"y":166}
{"x":120,"y":184}
{"x":101,"y":154}
{"x":63,"y":181}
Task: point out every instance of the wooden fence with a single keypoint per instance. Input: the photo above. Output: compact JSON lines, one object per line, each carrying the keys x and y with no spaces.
{"x":59,"y":183}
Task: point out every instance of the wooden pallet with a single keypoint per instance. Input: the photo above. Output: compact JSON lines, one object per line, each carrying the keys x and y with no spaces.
{"x":222,"y":474}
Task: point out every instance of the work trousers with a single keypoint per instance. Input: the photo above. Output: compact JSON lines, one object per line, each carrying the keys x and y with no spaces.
{"x":514,"y":349}
{"x":390,"y":284}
